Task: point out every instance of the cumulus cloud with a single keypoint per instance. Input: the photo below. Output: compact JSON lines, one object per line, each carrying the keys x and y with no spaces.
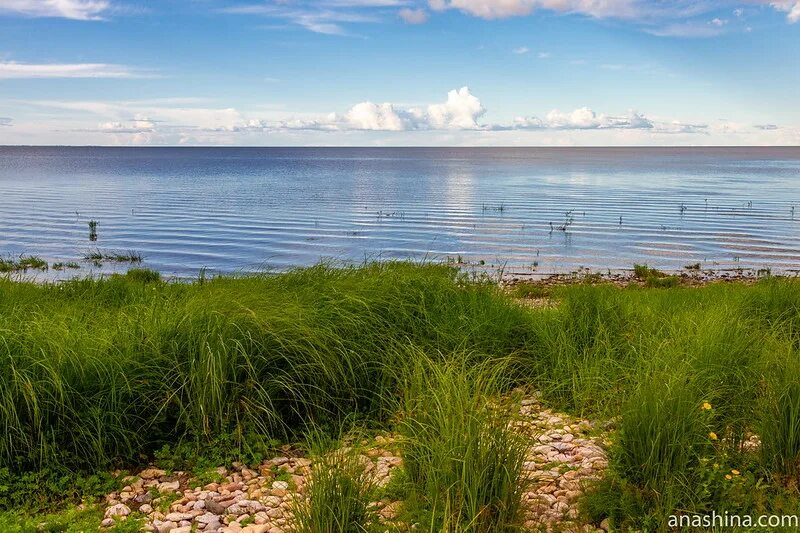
{"x":521,"y":50}
{"x":461,"y":111}
{"x":70,"y":9}
{"x":12,"y":69}
{"x":381,"y":117}
{"x":413,"y":16}
{"x":6,"y":121}
{"x":148,"y":120}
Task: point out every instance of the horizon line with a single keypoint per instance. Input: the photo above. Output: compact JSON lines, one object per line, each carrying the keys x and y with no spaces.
{"x":693,"y":146}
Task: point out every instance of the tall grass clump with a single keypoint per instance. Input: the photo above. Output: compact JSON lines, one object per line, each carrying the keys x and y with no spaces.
{"x":779,"y":419}
{"x":582,"y":357}
{"x":461,"y":454}
{"x":663,"y":435}
{"x":102,"y":372}
{"x":339,"y":495}
{"x":144,"y":275}
{"x":776,"y":302}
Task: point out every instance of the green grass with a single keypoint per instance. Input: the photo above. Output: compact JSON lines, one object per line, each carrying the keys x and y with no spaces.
{"x":143,"y":275}
{"x":339,"y":494}
{"x":130,"y":256}
{"x":643,"y":272}
{"x":98,"y":374}
{"x":656,"y":278}
{"x":779,"y":426}
{"x":22,"y":264}
{"x":101,"y":372}
{"x":461,"y":455}
{"x":61,"y":265}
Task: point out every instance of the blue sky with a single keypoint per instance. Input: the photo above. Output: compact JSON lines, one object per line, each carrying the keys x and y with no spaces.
{"x":400,"y":72}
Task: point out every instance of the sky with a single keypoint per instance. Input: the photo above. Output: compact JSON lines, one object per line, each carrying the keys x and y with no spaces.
{"x":400,"y":72}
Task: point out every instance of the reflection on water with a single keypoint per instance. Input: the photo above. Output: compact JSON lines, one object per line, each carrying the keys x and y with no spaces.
{"x":241,"y":209}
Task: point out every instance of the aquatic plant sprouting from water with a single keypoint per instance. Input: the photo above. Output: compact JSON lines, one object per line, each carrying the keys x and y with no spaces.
{"x":569,"y":219}
{"x":130,"y":256}
{"x":93,"y":230}
{"x":22,"y":264}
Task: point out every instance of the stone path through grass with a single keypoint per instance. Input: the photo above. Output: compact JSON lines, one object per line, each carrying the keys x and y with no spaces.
{"x":565,"y":453}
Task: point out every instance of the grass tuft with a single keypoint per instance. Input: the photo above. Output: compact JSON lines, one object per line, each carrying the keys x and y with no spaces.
{"x":339,"y":494}
{"x":461,"y":454}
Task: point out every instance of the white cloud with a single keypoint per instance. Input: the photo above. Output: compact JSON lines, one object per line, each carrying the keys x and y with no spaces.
{"x":543,"y":55}
{"x":70,"y":9}
{"x":151,"y":115}
{"x":321,"y":17}
{"x":140,"y":124}
{"x":6,"y":121}
{"x":686,"y":29}
{"x":521,"y":50}
{"x":583,"y":119}
{"x":515,"y":8}
{"x":457,"y":120}
{"x":12,"y":69}
{"x":676,"y":126}
{"x":790,"y":7}
{"x":461,"y":111}
{"x":413,"y":16}
{"x":678,"y":18}
{"x":369,"y":116}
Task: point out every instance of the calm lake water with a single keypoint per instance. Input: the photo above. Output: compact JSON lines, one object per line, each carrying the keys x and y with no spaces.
{"x":244,"y":209}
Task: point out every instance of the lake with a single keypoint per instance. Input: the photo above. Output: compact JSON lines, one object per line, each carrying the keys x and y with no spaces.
{"x":528,"y":210}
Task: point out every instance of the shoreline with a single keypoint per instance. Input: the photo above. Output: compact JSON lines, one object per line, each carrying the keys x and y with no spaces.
{"x":628,"y":276}
{"x":504,"y":277}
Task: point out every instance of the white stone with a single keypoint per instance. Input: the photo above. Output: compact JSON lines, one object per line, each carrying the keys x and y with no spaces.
{"x":119,"y":509}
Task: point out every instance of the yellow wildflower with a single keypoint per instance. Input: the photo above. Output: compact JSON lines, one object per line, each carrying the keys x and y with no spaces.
{"x":735,"y":472}
{"x":706,"y":406}
{"x":728,"y":476}
{"x":716,"y":465}
{"x":712,"y":436}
